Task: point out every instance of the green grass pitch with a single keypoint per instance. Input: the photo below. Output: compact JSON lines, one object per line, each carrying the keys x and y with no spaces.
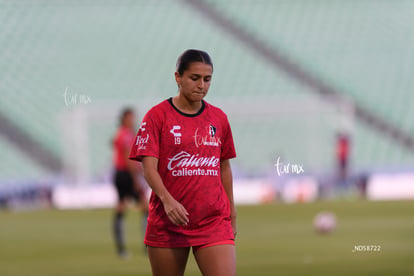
{"x":275,"y":239}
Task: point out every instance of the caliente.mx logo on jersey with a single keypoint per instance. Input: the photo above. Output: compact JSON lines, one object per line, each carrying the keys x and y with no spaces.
{"x":186,"y":164}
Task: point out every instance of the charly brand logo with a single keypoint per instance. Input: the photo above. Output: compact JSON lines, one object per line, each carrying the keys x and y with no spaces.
{"x":142,"y":127}
{"x":209,"y":138}
{"x":288,"y":168}
{"x":185,"y":164}
{"x":73,"y":98}
{"x":175,"y":130}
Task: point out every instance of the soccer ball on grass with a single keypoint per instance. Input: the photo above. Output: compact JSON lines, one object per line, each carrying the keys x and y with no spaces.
{"x":324,"y":222}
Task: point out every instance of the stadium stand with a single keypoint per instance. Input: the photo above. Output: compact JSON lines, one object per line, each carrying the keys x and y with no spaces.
{"x":362,"y":48}
{"x":52,"y":51}
{"x":14,"y":160}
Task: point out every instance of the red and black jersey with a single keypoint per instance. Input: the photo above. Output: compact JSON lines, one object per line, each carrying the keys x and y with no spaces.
{"x":189,"y":148}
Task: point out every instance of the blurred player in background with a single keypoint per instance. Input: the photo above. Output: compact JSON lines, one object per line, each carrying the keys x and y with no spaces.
{"x":342,"y":156}
{"x":128,"y":179}
{"x":185,"y":145}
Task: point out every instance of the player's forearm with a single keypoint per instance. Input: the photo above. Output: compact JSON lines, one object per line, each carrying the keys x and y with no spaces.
{"x":227,"y":181}
{"x":174,"y":210}
{"x":154,"y":180}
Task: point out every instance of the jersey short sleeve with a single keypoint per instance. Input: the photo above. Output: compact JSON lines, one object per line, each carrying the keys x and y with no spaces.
{"x":147,"y":140}
{"x":228,"y":151}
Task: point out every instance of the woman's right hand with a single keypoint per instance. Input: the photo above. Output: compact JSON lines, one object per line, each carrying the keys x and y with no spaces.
{"x":175,"y":211}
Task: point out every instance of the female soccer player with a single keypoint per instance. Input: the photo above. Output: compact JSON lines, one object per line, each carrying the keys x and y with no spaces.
{"x":185,"y":145}
{"x":126,"y":178}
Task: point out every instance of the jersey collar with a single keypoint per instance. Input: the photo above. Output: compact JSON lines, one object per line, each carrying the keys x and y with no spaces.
{"x":203,"y":105}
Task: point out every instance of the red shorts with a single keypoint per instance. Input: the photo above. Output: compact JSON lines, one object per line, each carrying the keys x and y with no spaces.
{"x":195,"y":248}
